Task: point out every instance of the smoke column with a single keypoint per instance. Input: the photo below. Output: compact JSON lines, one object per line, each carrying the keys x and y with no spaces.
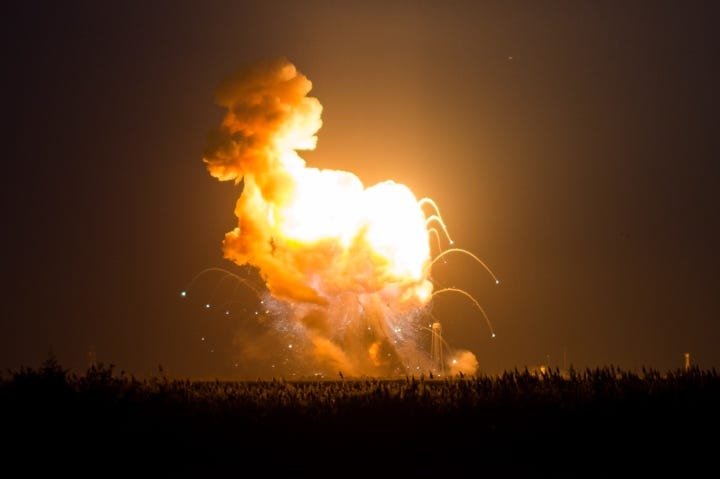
{"x":347,"y":265}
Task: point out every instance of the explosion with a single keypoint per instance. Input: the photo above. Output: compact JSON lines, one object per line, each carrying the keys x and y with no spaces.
{"x":346,"y":266}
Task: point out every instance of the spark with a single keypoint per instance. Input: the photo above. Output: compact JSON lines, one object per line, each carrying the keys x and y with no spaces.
{"x":436,"y":216}
{"x":225,"y":276}
{"x":464,"y":251}
{"x":437,"y":219}
{"x":474,"y":301}
{"x":433,"y":231}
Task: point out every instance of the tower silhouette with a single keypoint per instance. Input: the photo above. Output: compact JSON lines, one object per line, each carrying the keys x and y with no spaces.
{"x":436,"y":348}
{"x":92,"y":357}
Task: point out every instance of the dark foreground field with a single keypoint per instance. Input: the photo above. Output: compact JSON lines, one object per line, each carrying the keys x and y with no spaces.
{"x":598,"y":422}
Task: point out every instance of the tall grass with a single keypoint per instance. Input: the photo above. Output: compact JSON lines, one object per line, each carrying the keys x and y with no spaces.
{"x":516,"y":421}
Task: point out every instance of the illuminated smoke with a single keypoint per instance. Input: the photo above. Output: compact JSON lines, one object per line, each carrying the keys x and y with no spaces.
{"x":346,"y":265}
{"x":464,"y":362}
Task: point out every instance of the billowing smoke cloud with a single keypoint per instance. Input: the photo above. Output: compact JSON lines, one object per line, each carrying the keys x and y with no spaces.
{"x":463,"y":362}
{"x":348,"y":265}
{"x":268,"y":118}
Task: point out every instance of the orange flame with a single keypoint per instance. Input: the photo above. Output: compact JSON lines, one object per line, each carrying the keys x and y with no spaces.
{"x":316,"y":235}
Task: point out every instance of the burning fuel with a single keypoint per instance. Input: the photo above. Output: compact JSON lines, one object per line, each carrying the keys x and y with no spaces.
{"x":347,"y":267}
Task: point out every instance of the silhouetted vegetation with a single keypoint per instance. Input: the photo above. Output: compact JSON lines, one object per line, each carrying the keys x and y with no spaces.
{"x":517,"y":421}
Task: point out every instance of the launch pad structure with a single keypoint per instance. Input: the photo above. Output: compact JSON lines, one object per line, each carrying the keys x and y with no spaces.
{"x":436,"y":348}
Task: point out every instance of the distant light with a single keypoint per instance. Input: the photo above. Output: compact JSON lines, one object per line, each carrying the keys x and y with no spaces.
{"x":202,"y":339}
{"x":454,"y":361}
{"x":289,"y":346}
{"x":452,"y":242}
{"x":207,"y":305}
{"x":497,"y":281}
{"x":227,"y":312}
{"x":183,"y":293}
{"x":493,"y":335}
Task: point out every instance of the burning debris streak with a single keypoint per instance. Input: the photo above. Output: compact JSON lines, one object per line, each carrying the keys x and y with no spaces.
{"x":475,"y":302}
{"x":464,"y":251}
{"x":347,"y":265}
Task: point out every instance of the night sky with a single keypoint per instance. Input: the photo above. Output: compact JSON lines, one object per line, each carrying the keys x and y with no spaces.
{"x":572,"y":146}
